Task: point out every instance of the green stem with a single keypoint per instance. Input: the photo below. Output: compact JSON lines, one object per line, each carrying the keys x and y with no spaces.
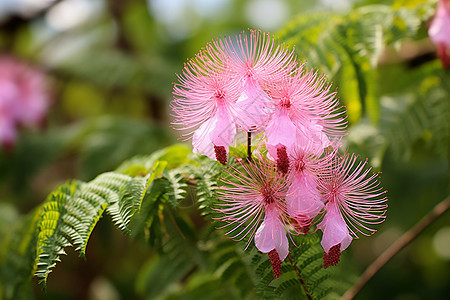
{"x":299,"y":277}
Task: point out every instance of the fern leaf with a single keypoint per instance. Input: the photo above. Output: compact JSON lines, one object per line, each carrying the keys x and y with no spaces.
{"x":17,"y":256}
{"x":177,"y":189}
{"x":70,"y":214}
{"x":122,"y":207}
{"x":53,"y":234}
{"x":147,"y":222}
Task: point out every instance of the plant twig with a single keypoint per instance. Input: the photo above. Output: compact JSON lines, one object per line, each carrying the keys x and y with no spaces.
{"x":300,"y":277}
{"x":396,"y":247}
{"x":249,"y":146}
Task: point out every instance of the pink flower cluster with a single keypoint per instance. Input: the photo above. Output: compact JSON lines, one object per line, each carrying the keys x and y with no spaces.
{"x":439,"y":31}
{"x":251,"y":83}
{"x":23,"y":98}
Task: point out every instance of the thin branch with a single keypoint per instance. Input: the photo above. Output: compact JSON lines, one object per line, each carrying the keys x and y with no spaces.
{"x":396,"y":247}
{"x":249,"y":146}
{"x":117,"y":9}
{"x":299,"y":277}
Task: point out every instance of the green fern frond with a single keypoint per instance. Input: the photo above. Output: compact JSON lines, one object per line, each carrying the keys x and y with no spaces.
{"x":233,"y":266}
{"x":70,"y":214}
{"x":54,"y":232}
{"x":347,"y":48}
{"x":127,"y":201}
{"x":148,"y":222}
{"x":174,"y":156}
{"x":17,"y":256}
{"x":302,"y":272}
{"x":205,"y":175}
{"x":177,"y":190}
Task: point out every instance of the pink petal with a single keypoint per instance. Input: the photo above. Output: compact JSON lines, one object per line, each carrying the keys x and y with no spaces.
{"x":217,"y":131}
{"x":334,"y":228}
{"x":254,"y":106}
{"x":224,"y":128}
{"x":280,"y":132}
{"x":272,"y":235}
{"x":303,"y":198}
{"x":311,"y":136}
{"x":201,"y":141}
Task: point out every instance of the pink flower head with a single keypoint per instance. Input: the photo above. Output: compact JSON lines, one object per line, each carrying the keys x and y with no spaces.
{"x":439,"y":31}
{"x":354,"y":201}
{"x":256,"y":191}
{"x":222,"y":90}
{"x":305,"y":114}
{"x":204,"y":105}
{"x":23,"y":97}
{"x":304,"y":201}
{"x":256,"y":60}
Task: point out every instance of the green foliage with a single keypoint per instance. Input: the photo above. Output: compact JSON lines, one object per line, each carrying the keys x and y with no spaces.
{"x":164,"y":200}
{"x":116,"y":70}
{"x":16,"y":254}
{"x":419,"y":116}
{"x":145,"y":198}
{"x":71,"y":212}
{"x":390,"y":107}
{"x":348,"y":47}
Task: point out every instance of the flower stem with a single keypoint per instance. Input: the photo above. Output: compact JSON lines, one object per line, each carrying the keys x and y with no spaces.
{"x":299,"y":277}
{"x":249,"y":146}
{"x":396,"y":247}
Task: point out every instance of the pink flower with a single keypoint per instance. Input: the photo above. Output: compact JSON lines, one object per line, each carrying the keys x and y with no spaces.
{"x":305,"y":114}
{"x":354,"y":201}
{"x":257,"y":60}
{"x":252,"y":83}
{"x":204,"y":105}
{"x":281,"y":135}
{"x":255,"y":191}
{"x":304,"y":200}
{"x":439,"y":31}
{"x":222,"y":90}
{"x":336,"y":237}
{"x":23,"y":97}
{"x":271,"y":235}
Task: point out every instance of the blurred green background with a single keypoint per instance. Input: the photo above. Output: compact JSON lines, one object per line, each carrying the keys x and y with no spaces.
{"x":111,"y":67}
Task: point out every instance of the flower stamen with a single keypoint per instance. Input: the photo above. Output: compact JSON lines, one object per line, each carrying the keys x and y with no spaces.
{"x":276,"y":263}
{"x":283,"y":160}
{"x":332,"y":257}
{"x":221,"y":154}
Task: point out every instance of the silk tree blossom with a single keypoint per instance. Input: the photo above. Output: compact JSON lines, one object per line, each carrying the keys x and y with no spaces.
{"x":439,"y":31}
{"x":306,"y":113}
{"x":304,"y":200}
{"x":222,"y":90}
{"x":354,"y":201}
{"x":257,"y":60}
{"x":23,"y":98}
{"x":257,"y":191}
{"x":251,"y":82}
{"x":205,"y":106}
